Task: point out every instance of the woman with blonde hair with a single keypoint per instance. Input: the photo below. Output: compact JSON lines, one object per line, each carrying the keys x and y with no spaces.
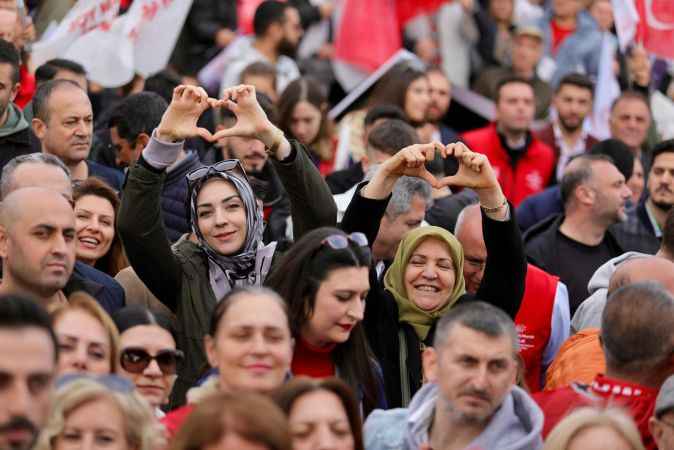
{"x":103,"y":411}
{"x":88,"y":338}
{"x":595,"y":429}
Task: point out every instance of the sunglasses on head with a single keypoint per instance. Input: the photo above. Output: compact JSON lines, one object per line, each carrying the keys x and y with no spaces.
{"x":222,"y":166}
{"x":340,"y":241}
{"x":136,"y":360}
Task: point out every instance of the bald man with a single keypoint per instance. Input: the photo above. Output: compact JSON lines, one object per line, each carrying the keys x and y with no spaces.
{"x":633,"y":268}
{"x":543,"y":319}
{"x":37,"y":244}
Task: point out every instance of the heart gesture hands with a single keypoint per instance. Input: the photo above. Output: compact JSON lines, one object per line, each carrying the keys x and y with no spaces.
{"x":474,"y":172}
{"x":189,"y":103}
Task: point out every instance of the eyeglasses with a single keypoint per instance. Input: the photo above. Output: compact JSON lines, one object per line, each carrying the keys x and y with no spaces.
{"x":340,"y":241}
{"x":222,"y":166}
{"x":136,"y":360}
{"x":112,"y":382}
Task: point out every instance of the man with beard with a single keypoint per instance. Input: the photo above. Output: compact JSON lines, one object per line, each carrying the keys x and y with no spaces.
{"x":523,"y":164}
{"x":574,"y":244}
{"x":131,"y":124}
{"x":642,"y":231}
{"x":565,"y":134}
{"x":28,"y":356}
{"x":278,"y":31}
{"x":470,"y":400}
{"x":64,"y":123}
{"x":441,"y":97}
{"x":14,"y":129}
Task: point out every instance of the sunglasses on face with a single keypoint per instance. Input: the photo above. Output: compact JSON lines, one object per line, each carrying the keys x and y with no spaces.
{"x":222,"y":166}
{"x":136,"y":360}
{"x":340,"y":241}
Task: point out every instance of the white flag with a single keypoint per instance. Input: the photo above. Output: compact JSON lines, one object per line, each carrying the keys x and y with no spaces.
{"x":626,"y":19}
{"x":85,"y":16}
{"x":607,"y":89}
{"x":139,"y":42}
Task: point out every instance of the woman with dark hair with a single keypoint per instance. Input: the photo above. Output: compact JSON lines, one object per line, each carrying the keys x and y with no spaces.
{"x":148,"y":355}
{"x":234,"y":421}
{"x":425,"y":279}
{"x":225,"y":249}
{"x":248,"y":343}
{"x":405,"y":87}
{"x":96,"y":207}
{"x":303,"y":109}
{"x":324,"y":280}
{"x":321,"y":414}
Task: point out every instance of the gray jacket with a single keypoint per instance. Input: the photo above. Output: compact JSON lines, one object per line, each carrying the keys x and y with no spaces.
{"x":516,"y":425}
{"x":588,"y":314}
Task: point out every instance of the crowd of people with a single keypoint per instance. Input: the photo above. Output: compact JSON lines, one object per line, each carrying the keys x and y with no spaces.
{"x":206,"y":259}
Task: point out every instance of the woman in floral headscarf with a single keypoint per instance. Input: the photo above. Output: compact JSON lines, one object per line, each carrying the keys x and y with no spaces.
{"x":225,"y":248}
{"x":425,"y":278}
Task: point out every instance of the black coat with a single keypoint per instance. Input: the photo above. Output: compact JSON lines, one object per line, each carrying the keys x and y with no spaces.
{"x":14,"y":145}
{"x":196,"y":45}
{"x":393,"y":341}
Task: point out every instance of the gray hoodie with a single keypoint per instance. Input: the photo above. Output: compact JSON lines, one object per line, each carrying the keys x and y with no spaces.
{"x":588,"y":314}
{"x":516,"y":425}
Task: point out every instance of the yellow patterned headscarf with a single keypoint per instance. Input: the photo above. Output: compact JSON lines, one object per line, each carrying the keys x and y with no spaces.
{"x":394,"y":280}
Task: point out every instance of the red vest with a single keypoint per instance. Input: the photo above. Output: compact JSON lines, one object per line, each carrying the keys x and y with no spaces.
{"x":534,"y":320}
{"x":530,"y":175}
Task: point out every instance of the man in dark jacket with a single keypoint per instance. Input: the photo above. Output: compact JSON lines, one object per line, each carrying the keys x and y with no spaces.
{"x":49,"y":172}
{"x":131,"y":124}
{"x":642,"y":231}
{"x":14,"y":129}
{"x":210,"y":26}
{"x":64,"y":124}
{"x":573,"y":245}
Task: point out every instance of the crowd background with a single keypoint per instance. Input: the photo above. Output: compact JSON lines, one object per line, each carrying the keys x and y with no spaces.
{"x":340,"y":224}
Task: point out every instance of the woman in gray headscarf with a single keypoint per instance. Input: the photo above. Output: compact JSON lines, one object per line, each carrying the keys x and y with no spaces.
{"x":225,"y":248}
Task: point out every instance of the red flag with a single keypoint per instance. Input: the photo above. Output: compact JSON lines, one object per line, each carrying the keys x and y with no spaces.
{"x":368,"y":33}
{"x":655,"y":29}
{"x":409,"y":9}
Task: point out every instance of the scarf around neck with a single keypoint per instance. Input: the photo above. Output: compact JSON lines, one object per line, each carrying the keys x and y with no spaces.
{"x":238,"y":268}
{"x":394,"y":280}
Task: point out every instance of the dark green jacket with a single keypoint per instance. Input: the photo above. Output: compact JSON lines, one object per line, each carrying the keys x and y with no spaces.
{"x":178,"y":276}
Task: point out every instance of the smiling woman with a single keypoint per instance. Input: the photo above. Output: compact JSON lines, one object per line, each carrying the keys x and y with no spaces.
{"x":96,"y":206}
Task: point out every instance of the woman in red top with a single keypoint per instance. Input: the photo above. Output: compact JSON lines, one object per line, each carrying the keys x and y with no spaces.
{"x":324,"y":278}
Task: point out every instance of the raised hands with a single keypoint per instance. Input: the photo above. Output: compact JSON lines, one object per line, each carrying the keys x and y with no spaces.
{"x":189,"y":103}
{"x":475,"y":172}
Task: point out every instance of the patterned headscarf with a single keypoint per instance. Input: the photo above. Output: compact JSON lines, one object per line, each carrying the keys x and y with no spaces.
{"x":240,"y":266}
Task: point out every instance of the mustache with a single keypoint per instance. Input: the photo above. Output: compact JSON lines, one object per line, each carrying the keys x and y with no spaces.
{"x":477,"y":393}
{"x":18,"y":423}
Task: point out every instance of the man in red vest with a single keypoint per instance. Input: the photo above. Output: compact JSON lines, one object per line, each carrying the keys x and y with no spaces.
{"x":523,"y":164}
{"x":543,"y":320}
{"x":638,"y":341}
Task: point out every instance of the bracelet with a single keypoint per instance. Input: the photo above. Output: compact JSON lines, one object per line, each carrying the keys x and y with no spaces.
{"x":271,"y":150}
{"x":496,"y":208}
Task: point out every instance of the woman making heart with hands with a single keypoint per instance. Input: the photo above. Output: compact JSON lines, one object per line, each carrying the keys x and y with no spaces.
{"x":425,"y":279}
{"x":225,"y":248}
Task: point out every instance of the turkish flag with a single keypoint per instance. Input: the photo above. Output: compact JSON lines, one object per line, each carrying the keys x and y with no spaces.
{"x":655,"y":29}
{"x":649,"y":22}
